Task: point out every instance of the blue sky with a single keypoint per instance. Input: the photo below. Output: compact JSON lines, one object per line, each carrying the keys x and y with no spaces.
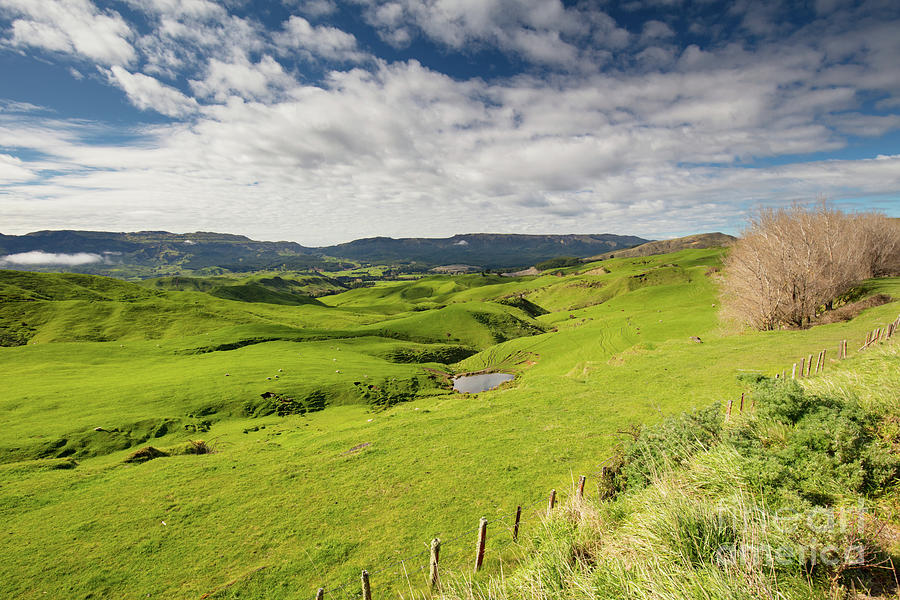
{"x":322,"y":121}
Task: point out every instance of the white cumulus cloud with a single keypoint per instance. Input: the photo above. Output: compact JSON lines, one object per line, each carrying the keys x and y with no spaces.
{"x":312,"y":8}
{"x":318,"y":41}
{"x":147,"y":93}
{"x":72,"y":26}
{"x":242,"y":77}
{"x":650,"y":137}
{"x":541,"y":31}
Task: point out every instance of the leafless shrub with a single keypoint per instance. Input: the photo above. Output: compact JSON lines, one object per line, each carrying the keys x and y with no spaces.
{"x":880,"y":238}
{"x":793,"y":262}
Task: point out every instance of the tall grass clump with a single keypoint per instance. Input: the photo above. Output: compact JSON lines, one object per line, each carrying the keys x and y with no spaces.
{"x":780,"y":502}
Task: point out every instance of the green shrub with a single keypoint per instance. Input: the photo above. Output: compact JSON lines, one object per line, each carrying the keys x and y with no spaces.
{"x":808,"y":450}
{"x":669,"y":444}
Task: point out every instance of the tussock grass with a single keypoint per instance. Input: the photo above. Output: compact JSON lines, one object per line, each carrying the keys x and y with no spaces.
{"x":873,"y":378}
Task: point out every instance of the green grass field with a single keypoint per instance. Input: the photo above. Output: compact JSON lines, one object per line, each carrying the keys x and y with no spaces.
{"x":287,"y":504}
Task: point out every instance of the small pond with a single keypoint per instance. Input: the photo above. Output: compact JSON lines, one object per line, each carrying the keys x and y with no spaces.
{"x":479,"y":383}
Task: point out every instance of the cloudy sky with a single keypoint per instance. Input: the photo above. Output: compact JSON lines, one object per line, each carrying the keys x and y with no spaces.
{"x":321,"y":121}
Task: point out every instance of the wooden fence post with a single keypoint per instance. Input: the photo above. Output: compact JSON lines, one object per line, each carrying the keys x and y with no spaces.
{"x":824,"y":354}
{"x":551,"y":502}
{"x":809,"y":366}
{"x":320,"y":595}
{"x":580,"y":493}
{"x":435,"y":555}
{"x":606,"y":485}
{"x":479,"y":550}
{"x":366,"y":588}
{"x":516,"y":525}
{"x":742,"y":403}
{"x":728,"y":410}
{"x":802,"y":368}
{"x":794,"y":372}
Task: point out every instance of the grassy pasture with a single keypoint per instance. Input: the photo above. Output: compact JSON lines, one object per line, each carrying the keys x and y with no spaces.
{"x":314,"y":498}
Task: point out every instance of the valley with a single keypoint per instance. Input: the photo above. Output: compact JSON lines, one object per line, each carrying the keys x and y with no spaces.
{"x":338,"y":443}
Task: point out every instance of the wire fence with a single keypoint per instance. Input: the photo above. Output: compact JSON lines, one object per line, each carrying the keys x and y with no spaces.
{"x":456,"y":556}
{"x":804,"y":368}
{"x":456,"y":553}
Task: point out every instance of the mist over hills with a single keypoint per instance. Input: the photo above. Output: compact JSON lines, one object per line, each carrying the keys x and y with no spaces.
{"x":154,"y":253}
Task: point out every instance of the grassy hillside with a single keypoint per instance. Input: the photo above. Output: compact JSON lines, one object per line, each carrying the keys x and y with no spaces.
{"x":326,"y":475}
{"x":301,"y":285}
{"x":696,"y":241}
{"x":797,"y":497}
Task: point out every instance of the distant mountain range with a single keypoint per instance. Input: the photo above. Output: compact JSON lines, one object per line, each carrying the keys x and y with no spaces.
{"x":149,"y":253}
{"x":489,"y":250}
{"x":156,"y":253}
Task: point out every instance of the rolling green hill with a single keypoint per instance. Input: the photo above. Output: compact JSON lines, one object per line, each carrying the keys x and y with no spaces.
{"x":696,"y":241}
{"x":338,"y":444}
{"x":280,"y":288}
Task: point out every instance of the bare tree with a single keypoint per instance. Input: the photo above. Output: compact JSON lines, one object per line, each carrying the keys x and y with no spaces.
{"x":879,"y":236}
{"x":792,"y":262}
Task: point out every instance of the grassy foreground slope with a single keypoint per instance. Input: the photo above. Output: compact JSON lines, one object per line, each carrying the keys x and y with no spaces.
{"x":290,"y":503}
{"x":795,"y":498}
